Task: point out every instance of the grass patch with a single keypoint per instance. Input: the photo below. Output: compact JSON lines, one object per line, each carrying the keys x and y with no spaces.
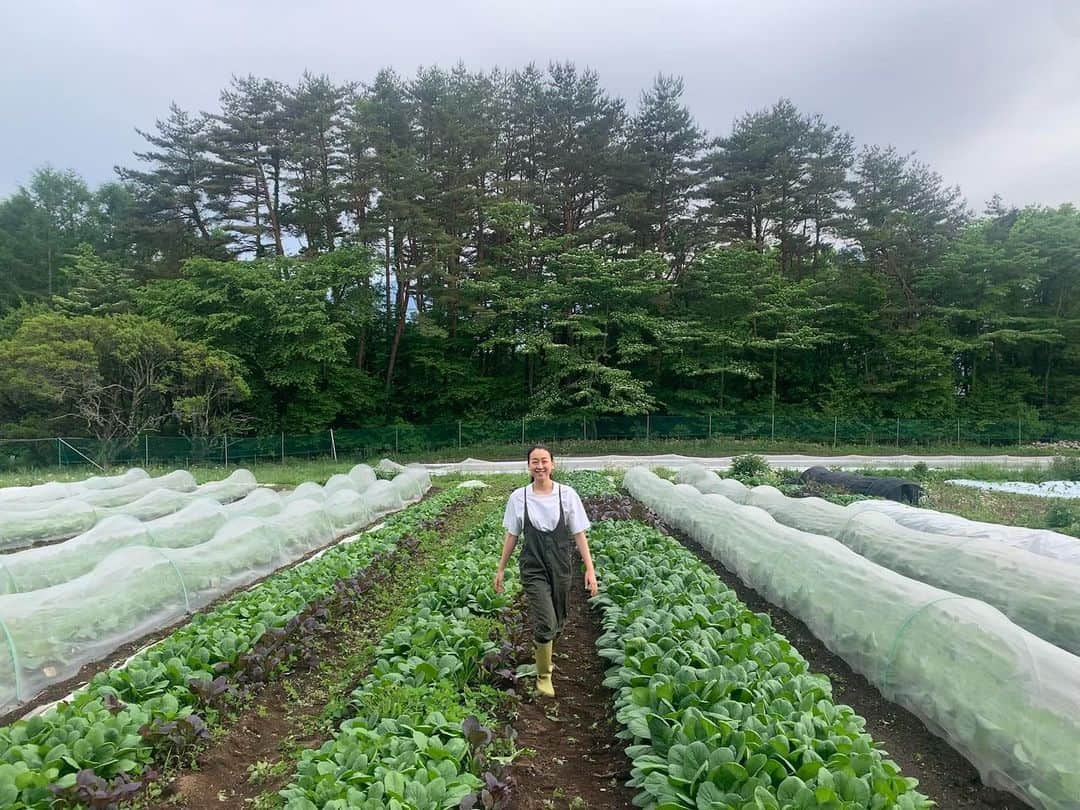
{"x":294,"y":471}
{"x":1004,"y":507}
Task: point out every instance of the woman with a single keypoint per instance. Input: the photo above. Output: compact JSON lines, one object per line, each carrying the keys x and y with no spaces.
{"x":549,"y":515}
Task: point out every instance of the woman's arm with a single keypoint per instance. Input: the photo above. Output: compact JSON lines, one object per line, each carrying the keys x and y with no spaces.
{"x":509,"y":542}
{"x":590,"y":574}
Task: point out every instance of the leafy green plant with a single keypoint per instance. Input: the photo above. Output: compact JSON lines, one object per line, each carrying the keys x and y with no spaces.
{"x":720,"y":710}
{"x":1064,"y":468}
{"x":752,"y":470}
{"x":129,"y":716}
{"x":1060,"y":516}
{"x":417,"y":732}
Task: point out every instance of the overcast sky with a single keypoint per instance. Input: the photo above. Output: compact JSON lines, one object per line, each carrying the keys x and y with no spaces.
{"x":985,"y":91}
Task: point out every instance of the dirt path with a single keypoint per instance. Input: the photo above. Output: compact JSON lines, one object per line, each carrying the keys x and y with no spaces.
{"x":578,"y":762}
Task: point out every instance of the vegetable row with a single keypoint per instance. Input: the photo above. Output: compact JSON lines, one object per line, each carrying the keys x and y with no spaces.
{"x":48,"y":634}
{"x":411,"y":742}
{"x":109,"y":726}
{"x":1006,"y":699}
{"x":720,"y":710}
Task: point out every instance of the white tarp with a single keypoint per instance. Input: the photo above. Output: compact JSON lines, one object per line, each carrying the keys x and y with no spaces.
{"x":1047,"y":489}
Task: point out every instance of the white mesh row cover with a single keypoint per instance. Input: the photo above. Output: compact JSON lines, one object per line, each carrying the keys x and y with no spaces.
{"x":363,"y":476}
{"x":1038,"y":593}
{"x":1006,"y":699}
{"x":69,"y":516}
{"x":178,"y":480}
{"x":261,"y":502}
{"x":34,"y":568}
{"x":55,"y":490}
{"x":195,"y":523}
{"x":48,"y":634}
{"x":387,"y":466}
{"x":1044,"y":542}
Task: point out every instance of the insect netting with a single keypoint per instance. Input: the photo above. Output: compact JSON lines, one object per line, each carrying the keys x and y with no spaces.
{"x":73,"y":515}
{"x":61,"y":609}
{"x":56,"y":490}
{"x":178,"y":480}
{"x":1006,"y":699}
{"x":1043,"y":542}
{"x":1036,"y":592}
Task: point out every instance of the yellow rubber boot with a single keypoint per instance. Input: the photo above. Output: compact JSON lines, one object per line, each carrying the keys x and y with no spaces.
{"x":543,"y":670}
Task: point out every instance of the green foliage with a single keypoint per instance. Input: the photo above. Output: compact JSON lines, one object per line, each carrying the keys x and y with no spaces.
{"x":406,"y":744}
{"x":1064,"y":468}
{"x":498,"y":244}
{"x":1060,"y":516}
{"x":748,"y":467}
{"x":680,"y":645}
{"x":114,"y":376}
{"x":99,"y":728}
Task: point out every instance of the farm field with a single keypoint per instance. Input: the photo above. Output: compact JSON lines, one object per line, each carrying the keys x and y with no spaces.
{"x":386,"y":672}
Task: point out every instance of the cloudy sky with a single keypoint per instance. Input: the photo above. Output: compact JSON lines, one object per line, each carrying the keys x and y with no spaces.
{"x":985,"y":91}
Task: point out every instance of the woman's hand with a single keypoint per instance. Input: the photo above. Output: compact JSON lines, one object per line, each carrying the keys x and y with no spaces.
{"x":590,"y":582}
{"x":498,"y":583}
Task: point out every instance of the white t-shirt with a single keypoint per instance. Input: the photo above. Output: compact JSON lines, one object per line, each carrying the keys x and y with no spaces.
{"x":544,"y":510}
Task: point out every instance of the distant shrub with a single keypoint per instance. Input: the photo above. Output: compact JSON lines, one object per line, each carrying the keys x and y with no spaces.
{"x":919,"y":471}
{"x":754,"y":471}
{"x":1060,"y":516}
{"x":1065,"y":468}
{"x":749,"y":466}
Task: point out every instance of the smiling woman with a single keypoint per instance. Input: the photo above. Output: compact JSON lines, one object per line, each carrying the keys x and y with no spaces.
{"x":552,"y":518}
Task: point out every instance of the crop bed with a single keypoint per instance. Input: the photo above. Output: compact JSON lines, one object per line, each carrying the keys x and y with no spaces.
{"x":720,"y":710}
{"x":162,"y":701}
{"x":420,"y":732}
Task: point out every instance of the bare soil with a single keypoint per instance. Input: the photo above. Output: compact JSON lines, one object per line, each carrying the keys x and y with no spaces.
{"x":576,"y":761}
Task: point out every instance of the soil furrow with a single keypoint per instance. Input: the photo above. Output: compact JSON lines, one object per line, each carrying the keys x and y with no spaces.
{"x":574,"y":760}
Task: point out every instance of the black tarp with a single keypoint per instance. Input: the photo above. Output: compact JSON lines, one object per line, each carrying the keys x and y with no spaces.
{"x":895,"y":489}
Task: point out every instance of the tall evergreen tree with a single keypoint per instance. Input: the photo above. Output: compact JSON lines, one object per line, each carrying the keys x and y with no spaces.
{"x":248,"y":139}
{"x":179,"y":192}
{"x":660,"y":171}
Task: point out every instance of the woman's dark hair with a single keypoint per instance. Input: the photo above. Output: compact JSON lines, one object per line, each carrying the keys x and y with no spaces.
{"x":540,"y":446}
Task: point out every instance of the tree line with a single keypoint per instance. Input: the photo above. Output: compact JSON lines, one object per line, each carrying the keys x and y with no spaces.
{"x":471,"y":244}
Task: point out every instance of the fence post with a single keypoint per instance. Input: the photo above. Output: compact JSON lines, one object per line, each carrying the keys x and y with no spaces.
{"x":898,"y":431}
{"x":648,"y":427}
{"x":584,"y":430}
{"x":146,"y":449}
{"x":459,"y":434}
{"x":333,"y":445}
{"x":772,"y":429}
{"x":710,"y":425}
{"x":396,"y":451}
{"x":283,"y":447}
{"x":523,"y":430}
{"x":1019,"y":434}
{"x":835,"y":424}
{"x":226,"y":449}
{"x":958,"y":431}
{"x":59,"y":453}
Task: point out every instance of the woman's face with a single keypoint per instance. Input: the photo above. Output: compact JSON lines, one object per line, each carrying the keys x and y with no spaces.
{"x":540,"y":465}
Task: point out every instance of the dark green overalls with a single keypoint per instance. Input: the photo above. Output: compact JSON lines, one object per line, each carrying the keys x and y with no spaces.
{"x":545,"y":572}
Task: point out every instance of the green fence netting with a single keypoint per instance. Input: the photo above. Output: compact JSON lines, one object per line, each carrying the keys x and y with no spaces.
{"x":366,"y":442}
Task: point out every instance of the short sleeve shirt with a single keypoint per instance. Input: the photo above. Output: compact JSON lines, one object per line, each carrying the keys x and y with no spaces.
{"x":544,"y":510}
